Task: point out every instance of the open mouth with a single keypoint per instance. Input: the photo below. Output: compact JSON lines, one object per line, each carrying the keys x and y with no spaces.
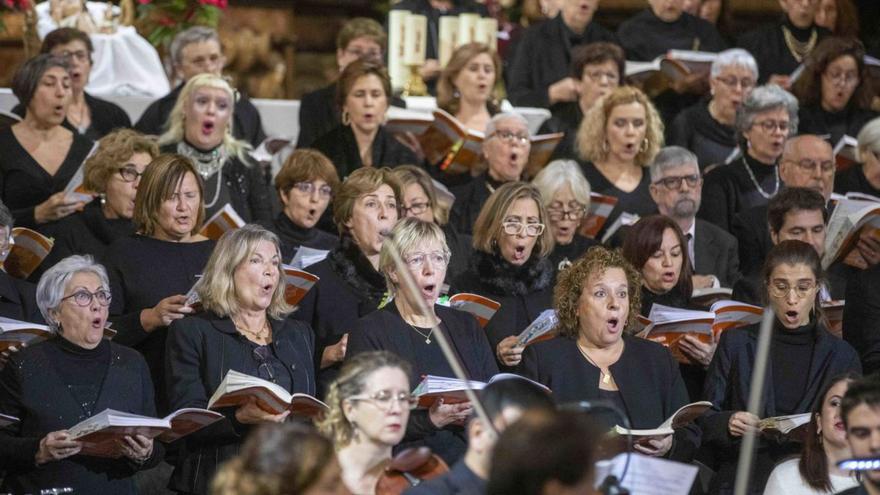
{"x":519,"y":253}
{"x":668,"y":277}
{"x":97,"y":323}
{"x":839,"y":426}
{"x":428,"y":290}
{"x":207,"y":127}
{"x":613,"y":324}
{"x":791,"y":317}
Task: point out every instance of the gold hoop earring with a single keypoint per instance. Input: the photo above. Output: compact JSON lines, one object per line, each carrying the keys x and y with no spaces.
{"x":346,"y":118}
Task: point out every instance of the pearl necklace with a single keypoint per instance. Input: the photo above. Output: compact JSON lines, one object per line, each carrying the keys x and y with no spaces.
{"x":757,"y":184}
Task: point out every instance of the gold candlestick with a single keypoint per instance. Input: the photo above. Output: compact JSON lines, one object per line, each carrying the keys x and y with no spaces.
{"x":415,"y":85}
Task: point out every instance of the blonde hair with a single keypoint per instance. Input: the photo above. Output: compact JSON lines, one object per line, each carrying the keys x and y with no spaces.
{"x":175,"y":127}
{"x":410,"y":174}
{"x":405,"y":236}
{"x":488,"y":226}
{"x":113,"y":150}
{"x":446,"y":97}
{"x":217,"y":287}
{"x":158,"y":184}
{"x":351,"y":381}
{"x":360,"y":182}
{"x":591,"y":139}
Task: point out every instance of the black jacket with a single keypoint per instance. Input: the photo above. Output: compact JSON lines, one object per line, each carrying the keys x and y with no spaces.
{"x":201,"y":350}
{"x":695,"y":129}
{"x":646,"y":374}
{"x":752,"y":233}
{"x":32,"y":390}
{"x":543,"y":57}
{"x":341,"y":148}
{"x":728,"y":383}
{"x":715,"y":253}
{"x":860,"y":316}
{"x":246,"y":119}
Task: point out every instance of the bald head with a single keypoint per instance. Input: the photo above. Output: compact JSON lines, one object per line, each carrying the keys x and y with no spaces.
{"x":808,"y":161}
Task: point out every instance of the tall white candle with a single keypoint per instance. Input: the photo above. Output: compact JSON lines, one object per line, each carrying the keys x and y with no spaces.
{"x":487,"y":32}
{"x":448,"y":38}
{"x":396,"y":48}
{"x":467,"y":28}
{"x":416,"y":35}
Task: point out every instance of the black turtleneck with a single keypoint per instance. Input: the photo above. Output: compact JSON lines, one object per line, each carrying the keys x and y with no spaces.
{"x":293,"y":236}
{"x":90,"y":365}
{"x":645,"y":36}
{"x":733,"y":190}
{"x":767,"y":44}
{"x":791,"y":352}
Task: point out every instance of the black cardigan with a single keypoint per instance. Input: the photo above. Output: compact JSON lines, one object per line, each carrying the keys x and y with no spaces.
{"x":728,"y":382}
{"x":646,"y":374}
{"x":201,"y":350}
{"x":32,"y":390}
{"x":341,"y":148}
{"x":385,"y":330}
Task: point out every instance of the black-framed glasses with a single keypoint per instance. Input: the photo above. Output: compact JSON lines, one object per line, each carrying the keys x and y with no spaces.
{"x":771,"y":125}
{"x":81,"y":55}
{"x":511,"y":137}
{"x":845,"y":78}
{"x":83,"y":298}
{"x":732,"y":82}
{"x":516,"y":228}
{"x":557,"y":214}
{"x":324,"y":191}
{"x":264,"y":370}
{"x":781,"y":289}
{"x":130,"y":174}
{"x":415,"y":208}
{"x":385,"y":399}
{"x":808,"y":165}
{"x":674,"y":183}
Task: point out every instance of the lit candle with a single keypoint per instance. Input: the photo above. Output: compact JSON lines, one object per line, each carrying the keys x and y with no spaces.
{"x":416,"y":39}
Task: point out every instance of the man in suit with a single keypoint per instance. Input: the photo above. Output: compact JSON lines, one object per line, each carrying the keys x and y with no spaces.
{"x":860,"y":411}
{"x":197,"y":51}
{"x":676,"y":187}
{"x":504,"y":401}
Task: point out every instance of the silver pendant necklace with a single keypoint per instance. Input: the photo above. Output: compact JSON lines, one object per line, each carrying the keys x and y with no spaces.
{"x":757,"y":184}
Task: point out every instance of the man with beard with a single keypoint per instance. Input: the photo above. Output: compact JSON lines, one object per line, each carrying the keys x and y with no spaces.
{"x":860,"y":410}
{"x":676,"y":187}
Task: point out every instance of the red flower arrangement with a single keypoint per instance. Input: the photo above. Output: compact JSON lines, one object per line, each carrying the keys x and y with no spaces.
{"x":161,"y":20}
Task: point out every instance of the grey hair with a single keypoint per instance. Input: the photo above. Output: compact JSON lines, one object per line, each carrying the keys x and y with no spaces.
{"x":6,"y":219}
{"x":869,"y":138}
{"x":672,"y":156}
{"x":51,"y":287}
{"x":734,"y":57}
{"x":762,"y":99}
{"x":27,"y":77}
{"x":492,"y":125}
{"x":195,"y":34}
{"x":559,"y":173}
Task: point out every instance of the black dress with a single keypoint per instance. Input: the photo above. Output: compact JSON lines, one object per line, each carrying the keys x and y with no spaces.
{"x":106,"y":117}
{"x":849,"y":121}
{"x":341,"y":148}
{"x":349,"y":288}
{"x":543,"y":57}
{"x":646,"y":374}
{"x":246,"y":123}
{"x":24,"y":183}
{"x":385,"y":330}
{"x":853,"y":179}
{"x":695,"y":129}
{"x":802,"y":361}
{"x":732,"y":190}
{"x":201,"y":350}
{"x":564,"y":254}
{"x":469,"y":200}
{"x":56,"y":384}
{"x":637,"y":201}
{"x":142,"y":272}
{"x":293,"y":237}
{"x":523,"y":291}
{"x":767,"y":45}
{"x":86,"y":232}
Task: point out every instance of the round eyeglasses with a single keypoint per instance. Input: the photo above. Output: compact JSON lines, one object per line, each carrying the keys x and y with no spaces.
{"x":84,"y":298}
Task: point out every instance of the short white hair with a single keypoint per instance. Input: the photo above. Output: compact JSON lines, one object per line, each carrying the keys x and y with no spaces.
{"x":869,"y":138}
{"x":734,"y":57}
{"x":53,"y":284}
{"x":560,"y":173}
{"x":499,"y":117}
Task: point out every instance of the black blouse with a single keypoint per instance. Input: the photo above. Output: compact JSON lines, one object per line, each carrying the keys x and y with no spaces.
{"x":695,"y":129}
{"x":637,"y":201}
{"x":849,"y":121}
{"x":341,"y":148}
{"x":24,"y":183}
{"x":733,"y":190}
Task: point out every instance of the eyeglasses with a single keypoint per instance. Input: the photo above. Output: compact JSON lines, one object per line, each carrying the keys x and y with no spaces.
{"x":81,"y":55}
{"x":261,"y":354}
{"x":384,"y":399}
{"x":772,"y":125}
{"x":130,"y":174}
{"x":415,"y":208}
{"x":782,"y":289}
{"x":845,"y":78}
{"x":732,"y":82}
{"x":674,"y":183}
{"x":510,"y":137}
{"x":597,"y":75}
{"x":808,"y":165}
{"x":438,"y":259}
{"x":83,"y":298}
{"x":516,"y":228}
{"x":557,"y":214}
{"x":324,"y":191}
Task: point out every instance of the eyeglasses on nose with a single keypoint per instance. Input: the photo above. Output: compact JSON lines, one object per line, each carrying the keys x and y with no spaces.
{"x":772,"y":125}
{"x":801,"y":289}
{"x":417,"y":260}
{"x":324,"y":191}
{"x":385,"y":400}
{"x":84,"y":298}
{"x":415,"y":208}
{"x":557,"y":214}
{"x":129,"y":174}
{"x":516,"y":228}
{"x":674,"y":183}
{"x":511,"y":137}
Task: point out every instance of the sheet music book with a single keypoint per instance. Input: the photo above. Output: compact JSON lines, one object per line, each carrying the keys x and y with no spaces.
{"x":452,"y":390}
{"x":648,"y":475}
{"x":853,"y":216}
{"x":237,"y":388}
{"x":481,"y":307}
{"x":29,"y":249}
{"x":846,"y":152}
{"x":793,"y":426}
{"x":684,"y":415}
{"x":75,"y":188}
{"x":601,"y":206}
{"x":224,"y":220}
{"x":297,"y":284}
{"x":543,"y":328}
{"x":306,"y":256}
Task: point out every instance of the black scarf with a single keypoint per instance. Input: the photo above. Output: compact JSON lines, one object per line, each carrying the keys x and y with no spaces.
{"x":501,"y":277}
{"x":349,"y":262}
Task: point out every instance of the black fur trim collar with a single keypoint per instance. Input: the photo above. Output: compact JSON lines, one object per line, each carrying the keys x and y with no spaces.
{"x":501,"y":277}
{"x":355,"y":269}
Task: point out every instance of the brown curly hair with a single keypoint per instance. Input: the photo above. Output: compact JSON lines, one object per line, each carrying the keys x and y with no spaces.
{"x":571,"y":282}
{"x":591,"y":135}
{"x":113,"y":151}
{"x":808,"y":87}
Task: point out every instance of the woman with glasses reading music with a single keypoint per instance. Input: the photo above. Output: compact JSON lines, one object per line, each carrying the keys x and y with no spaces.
{"x":243,"y":328}
{"x":305,"y":185}
{"x":58,"y":383}
{"x":803,"y":358}
{"x":566,"y":195}
{"x":767,"y":117}
{"x":113,"y":172}
{"x":510,"y":265}
{"x":834,"y":90}
{"x":707,"y":128}
{"x":370,"y":403}
{"x":402,"y":328}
